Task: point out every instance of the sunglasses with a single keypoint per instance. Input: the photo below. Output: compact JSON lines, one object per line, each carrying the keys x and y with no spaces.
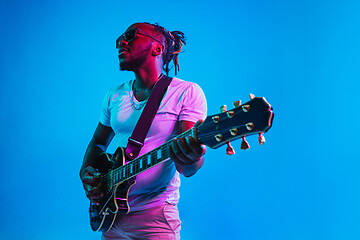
{"x":131,"y":35}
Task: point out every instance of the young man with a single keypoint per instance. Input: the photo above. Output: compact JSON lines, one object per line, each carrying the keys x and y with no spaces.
{"x":147,"y":50}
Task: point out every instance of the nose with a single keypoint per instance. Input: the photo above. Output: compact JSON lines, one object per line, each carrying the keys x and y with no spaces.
{"x":120,"y":42}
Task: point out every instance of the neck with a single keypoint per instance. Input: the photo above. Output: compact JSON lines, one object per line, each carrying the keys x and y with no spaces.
{"x":144,"y":82}
{"x":145,"y":79}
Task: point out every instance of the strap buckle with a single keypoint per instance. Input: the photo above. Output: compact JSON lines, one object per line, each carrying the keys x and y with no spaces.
{"x":133,"y":148}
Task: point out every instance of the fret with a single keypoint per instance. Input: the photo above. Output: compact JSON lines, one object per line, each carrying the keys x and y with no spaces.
{"x":121,"y":174}
{"x":165,"y":151}
{"x":136,"y":167}
{"x":111,"y":177}
{"x":127,"y":171}
{"x":142,"y":163}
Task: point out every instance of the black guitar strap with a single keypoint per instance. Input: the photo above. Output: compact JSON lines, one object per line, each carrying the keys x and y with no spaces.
{"x":136,"y":141}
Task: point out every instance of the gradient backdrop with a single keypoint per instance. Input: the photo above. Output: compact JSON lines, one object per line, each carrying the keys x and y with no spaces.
{"x":58,"y":60}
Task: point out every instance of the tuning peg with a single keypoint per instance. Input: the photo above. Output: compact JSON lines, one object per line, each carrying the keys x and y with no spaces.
{"x":219,"y":137}
{"x":261,"y":139}
{"x":234,"y":131}
{"x":250,"y":126}
{"x":251,"y":96}
{"x":229,"y":150}
{"x":244,"y":145}
{"x":223,"y":108}
{"x":237,"y":103}
{"x":230,"y":114}
{"x":216,"y":119}
{"x":246,"y":108}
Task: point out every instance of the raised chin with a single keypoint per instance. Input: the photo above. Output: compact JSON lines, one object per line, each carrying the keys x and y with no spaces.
{"x":124,"y":65}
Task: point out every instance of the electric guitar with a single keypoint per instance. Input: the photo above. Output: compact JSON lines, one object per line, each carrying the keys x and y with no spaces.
{"x":253,"y":117}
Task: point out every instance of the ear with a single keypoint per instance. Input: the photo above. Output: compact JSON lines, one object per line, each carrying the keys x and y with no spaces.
{"x":157,"y":50}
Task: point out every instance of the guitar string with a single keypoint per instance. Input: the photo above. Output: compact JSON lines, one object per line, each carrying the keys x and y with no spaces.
{"x":152,"y":153}
{"x":114,"y":181}
{"x":128,"y":169}
{"x":136,"y":165}
{"x":202,"y":127}
{"x":125,"y":169}
{"x":127,"y":174}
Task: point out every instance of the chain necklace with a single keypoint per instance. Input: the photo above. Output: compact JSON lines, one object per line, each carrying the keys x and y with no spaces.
{"x":142,"y":103}
{"x":132,"y":98}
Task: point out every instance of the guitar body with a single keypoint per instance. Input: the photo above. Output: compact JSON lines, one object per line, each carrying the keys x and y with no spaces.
{"x":115,"y":200}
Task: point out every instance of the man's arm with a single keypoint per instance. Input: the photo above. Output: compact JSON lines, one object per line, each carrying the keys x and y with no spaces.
{"x":187,"y":153}
{"x":88,"y":174}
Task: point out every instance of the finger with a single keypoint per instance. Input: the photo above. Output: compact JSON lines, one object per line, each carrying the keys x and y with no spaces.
{"x":192,"y":150}
{"x":87,"y":187}
{"x":94,"y":192}
{"x":90,"y":180}
{"x":197,"y":148}
{"x":186,"y":151}
{"x":95,"y":202}
{"x":174,"y":152}
{"x":94,"y":198}
{"x":92,"y":171}
{"x":182,"y":151}
{"x":198,"y":123}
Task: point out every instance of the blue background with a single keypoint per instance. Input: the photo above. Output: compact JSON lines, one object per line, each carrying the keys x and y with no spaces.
{"x":58,"y":60}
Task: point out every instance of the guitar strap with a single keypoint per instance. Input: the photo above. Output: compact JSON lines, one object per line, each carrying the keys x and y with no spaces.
{"x":136,"y":141}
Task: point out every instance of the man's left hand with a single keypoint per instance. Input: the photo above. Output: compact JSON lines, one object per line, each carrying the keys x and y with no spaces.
{"x":187,"y":154}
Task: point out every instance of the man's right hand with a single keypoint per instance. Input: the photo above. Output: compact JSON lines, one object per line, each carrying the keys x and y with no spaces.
{"x":91,"y":179}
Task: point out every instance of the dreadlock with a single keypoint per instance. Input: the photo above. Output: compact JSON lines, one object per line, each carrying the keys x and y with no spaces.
{"x":174,"y":42}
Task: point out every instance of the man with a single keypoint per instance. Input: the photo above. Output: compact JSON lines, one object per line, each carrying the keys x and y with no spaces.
{"x":146,"y":50}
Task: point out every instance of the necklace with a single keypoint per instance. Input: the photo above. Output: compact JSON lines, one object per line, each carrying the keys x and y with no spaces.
{"x":142,"y":103}
{"x":132,"y":99}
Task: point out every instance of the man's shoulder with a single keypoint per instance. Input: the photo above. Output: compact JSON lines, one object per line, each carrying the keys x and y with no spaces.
{"x":124,"y":87}
{"x":178,"y":83}
{"x":185,"y":91}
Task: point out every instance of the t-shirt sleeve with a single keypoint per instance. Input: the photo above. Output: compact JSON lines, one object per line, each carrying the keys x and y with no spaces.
{"x":194,"y":106}
{"x":105,"y":111}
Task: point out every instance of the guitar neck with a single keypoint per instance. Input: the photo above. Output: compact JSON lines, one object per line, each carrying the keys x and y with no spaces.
{"x":253,"y":117}
{"x":142,"y":163}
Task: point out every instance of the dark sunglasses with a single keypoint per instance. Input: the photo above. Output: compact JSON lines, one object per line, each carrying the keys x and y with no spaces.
{"x":131,"y":35}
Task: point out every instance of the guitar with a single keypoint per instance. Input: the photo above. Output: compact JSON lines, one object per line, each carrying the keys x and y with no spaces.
{"x":253,"y":117}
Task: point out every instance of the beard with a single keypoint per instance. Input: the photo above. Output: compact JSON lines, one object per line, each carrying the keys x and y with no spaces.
{"x":131,"y":63}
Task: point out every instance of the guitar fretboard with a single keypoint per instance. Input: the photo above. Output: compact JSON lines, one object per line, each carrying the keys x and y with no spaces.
{"x":140,"y":164}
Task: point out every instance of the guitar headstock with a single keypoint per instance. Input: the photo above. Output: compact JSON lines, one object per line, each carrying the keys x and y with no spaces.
{"x":252,"y":117}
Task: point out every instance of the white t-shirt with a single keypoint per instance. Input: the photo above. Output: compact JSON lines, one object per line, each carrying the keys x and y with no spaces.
{"x":183,"y":101}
